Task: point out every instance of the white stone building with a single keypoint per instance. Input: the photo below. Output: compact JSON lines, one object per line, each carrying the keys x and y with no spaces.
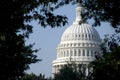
{"x":79,"y":42}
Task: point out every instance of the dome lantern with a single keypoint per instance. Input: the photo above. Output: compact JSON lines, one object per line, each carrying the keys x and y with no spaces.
{"x":79,"y":13}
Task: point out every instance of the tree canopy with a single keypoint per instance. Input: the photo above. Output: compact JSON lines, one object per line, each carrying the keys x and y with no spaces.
{"x":33,"y":76}
{"x":71,"y":71}
{"x":107,"y":67}
{"x":99,"y":11}
{"x":15,"y":55}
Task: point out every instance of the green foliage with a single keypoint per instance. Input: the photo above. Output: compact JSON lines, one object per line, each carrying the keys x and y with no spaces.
{"x":33,"y":76}
{"x":15,"y":56}
{"x":71,"y":71}
{"x":107,"y":67}
{"x":99,"y":11}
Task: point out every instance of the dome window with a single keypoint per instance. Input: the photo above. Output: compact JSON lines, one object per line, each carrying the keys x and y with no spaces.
{"x":82,"y":35}
{"x":79,"y":53}
{"x":87,"y":52}
{"x":89,"y":37}
{"x":67,"y":53}
{"x":71,"y":53}
{"x":74,"y":44}
{"x":75,"y":35}
{"x":83,"y":52}
{"x":86,"y":35}
{"x":83,"y":44}
{"x":87,"y":44}
{"x":79,"y":35}
{"x":91,"y":53}
{"x":78,"y":44}
{"x":75,"y":53}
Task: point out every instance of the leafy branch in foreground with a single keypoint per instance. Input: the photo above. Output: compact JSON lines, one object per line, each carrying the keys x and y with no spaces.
{"x":107,"y":67}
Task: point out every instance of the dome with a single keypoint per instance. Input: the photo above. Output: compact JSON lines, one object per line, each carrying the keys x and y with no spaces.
{"x":80,"y":42}
{"x":79,"y":38}
{"x":80,"y":32}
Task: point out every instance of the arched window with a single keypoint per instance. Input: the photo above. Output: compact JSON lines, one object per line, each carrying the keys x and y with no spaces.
{"x":83,"y":52}
{"x":79,"y":35}
{"x":93,"y":37}
{"x":75,"y":53}
{"x":63,"y":53}
{"x":87,"y":52}
{"x":74,"y":44}
{"x":79,"y":53}
{"x":71,"y":53}
{"x":89,"y":37}
{"x":83,"y":44}
{"x":85,"y":35}
{"x":82,"y":35}
{"x":78,"y":44}
{"x":75,"y":35}
{"x":91,"y":53}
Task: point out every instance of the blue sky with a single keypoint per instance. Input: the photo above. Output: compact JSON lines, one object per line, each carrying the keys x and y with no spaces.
{"x":48,"y":38}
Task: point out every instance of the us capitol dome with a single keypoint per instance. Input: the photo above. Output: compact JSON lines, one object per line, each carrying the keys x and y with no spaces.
{"x":80,"y":42}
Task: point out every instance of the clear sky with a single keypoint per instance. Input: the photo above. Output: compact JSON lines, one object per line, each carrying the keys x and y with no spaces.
{"x":47,"y":39}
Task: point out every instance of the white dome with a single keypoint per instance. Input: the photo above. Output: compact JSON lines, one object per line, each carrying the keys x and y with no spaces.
{"x":80,"y":32}
{"x":79,"y":37}
{"x":79,"y":42}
